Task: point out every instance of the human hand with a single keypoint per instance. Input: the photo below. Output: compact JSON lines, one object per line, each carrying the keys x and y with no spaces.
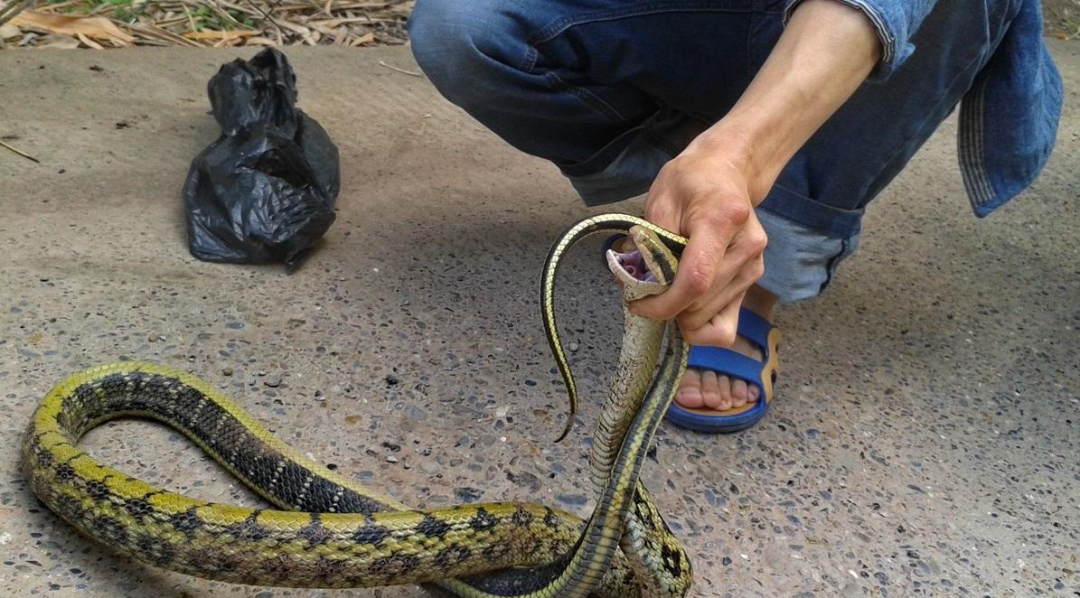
{"x":705,"y":194}
{"x":708,"y":192}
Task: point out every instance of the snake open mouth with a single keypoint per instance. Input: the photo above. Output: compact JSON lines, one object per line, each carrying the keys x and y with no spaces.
{"x":633,"y":263}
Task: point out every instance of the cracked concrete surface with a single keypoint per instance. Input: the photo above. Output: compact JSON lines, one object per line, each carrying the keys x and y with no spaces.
{"x":923,"y":443}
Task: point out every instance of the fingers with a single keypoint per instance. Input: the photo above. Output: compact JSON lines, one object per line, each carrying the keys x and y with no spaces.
{"x":720,"y":331}
{"x":699,"y":314}
{"x":710,"y":233}
{"x":710,"y":277}
{"x":697,"y":273}
{"x":706,"y":201}
{"x":743,"y":267}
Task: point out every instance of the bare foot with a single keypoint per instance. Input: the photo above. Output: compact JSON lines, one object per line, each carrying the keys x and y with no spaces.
{"x":705,"y":389}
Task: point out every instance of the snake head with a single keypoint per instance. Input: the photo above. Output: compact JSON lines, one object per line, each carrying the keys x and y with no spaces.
{"x":649,"y":269}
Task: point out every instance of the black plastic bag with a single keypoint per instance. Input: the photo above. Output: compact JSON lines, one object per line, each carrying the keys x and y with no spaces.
{"x":265,"y":190}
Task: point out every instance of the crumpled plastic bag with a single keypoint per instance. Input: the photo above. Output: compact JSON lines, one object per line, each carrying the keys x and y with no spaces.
{"x":263,"y":192}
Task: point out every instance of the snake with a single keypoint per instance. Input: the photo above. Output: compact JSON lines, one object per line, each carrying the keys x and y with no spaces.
{"x":324,"y":530}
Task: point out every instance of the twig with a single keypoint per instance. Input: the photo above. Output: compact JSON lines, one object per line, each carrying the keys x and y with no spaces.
{"x":9,"y":12}
{"x":224,"y":13}
{"x":268,"y":17}
{"x":394,"y":68}
{"x":191,"y":20}
{"x":23,"y":154}
{"x":165,"y":36}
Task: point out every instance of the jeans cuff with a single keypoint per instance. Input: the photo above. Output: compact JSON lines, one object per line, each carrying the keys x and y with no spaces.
{"x":800,"y":262}
{"x":825,"y":219}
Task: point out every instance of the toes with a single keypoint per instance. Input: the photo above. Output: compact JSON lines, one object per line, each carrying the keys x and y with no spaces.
{"x":755,"y":393}
{"x":710,"y":391}
{"x":739,"y":393}
{"x":689,"y":394}
{"x":725,"y":393}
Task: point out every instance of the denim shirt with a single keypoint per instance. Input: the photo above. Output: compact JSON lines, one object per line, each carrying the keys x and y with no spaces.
{"x":1008,"y":118}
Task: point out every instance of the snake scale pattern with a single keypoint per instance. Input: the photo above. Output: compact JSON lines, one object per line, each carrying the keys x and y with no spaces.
{"x":327,"y":531}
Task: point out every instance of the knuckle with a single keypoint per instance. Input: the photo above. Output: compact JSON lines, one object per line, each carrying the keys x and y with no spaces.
{"x":736,"y":212}
{"x":757,"y":241}
{"x":758,"y":269}
{"x":699,"y":280}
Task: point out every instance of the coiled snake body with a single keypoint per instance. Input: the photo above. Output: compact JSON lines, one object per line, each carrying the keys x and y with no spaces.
{"x":328,"y":531}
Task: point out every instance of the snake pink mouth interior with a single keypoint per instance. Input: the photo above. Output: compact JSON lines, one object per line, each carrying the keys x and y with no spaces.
{"x":634,"y":265}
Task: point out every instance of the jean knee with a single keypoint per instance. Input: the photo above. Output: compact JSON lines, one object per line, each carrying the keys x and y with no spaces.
{"x":457,"y":44}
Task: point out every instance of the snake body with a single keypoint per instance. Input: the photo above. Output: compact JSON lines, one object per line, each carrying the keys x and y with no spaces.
{"x":328,"y":531}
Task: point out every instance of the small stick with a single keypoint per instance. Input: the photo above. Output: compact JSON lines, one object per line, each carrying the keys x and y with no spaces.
{"x":23,"y":154}
{"x":269,"y":18}
{"x":394,"y":68}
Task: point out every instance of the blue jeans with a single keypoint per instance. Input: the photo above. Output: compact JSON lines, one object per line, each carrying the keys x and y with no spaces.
{"x":610,"y":90}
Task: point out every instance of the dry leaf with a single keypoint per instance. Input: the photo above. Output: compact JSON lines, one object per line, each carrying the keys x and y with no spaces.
{"x":220,"y":35}
{"x":95,"y":27}
{"x":60,"y":42}
{"x":89,"y":42}
{"x":367,"y":38}
{"x":321,"y":27}
{"x":303,"y":31}
{"x":9,"y":31}
{"x":259,"y":41}
{"x":332,"y":23}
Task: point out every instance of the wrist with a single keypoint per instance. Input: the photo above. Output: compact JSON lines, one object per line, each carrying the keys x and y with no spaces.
{"x":741,"y":147}
{"x":822,"y":57}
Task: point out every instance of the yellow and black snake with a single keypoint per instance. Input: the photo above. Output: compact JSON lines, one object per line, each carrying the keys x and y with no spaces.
{"x":328,"y":531}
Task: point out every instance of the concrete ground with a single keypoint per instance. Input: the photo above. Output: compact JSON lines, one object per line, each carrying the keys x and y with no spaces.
{"x":924,"y":441}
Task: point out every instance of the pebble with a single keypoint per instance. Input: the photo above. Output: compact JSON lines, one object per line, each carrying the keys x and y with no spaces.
{"x":429,"y":467}
{"x":227,"y":372}
{"x":391,"y":459}
{"x":525,"y":480}
{"x":468,"y":494}
{"x":577,"y":500}
{"x":273,"y":381}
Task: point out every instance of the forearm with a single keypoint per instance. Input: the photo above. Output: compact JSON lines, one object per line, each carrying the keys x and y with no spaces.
{"x":826,"y":51}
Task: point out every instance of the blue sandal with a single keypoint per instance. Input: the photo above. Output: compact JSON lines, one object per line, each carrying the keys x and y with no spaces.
{"x":727,"y":362}
{"x":730,"y":363}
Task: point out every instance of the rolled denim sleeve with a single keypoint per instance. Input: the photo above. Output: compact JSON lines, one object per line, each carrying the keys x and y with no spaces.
{"x":896,"y":21}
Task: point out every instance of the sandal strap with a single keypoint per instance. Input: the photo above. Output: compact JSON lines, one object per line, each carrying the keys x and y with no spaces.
{"x":726,"y":362}
{"x":754,"y":328}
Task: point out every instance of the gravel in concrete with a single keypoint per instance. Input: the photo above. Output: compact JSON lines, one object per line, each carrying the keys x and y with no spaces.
{"x":923,"y":443}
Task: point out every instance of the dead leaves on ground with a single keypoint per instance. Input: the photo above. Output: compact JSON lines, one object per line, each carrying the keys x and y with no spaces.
{"x":211,"y":23}
{"x":90,"y":31}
